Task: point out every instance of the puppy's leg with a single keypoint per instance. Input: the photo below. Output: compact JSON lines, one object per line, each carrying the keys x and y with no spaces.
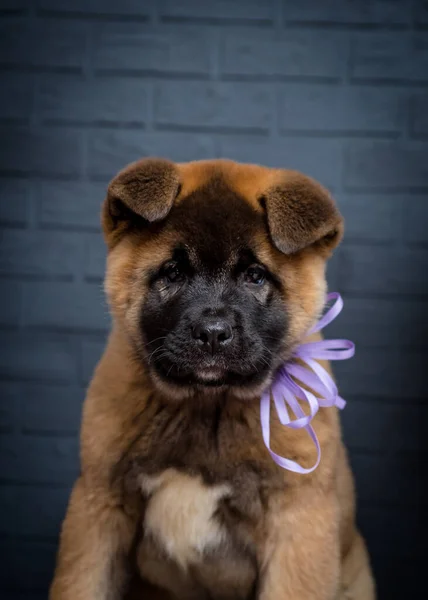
{"x":301,"y":558}
{"x":95,"y":540}
{"x":357,"y":580}
{"x":142,"y":590}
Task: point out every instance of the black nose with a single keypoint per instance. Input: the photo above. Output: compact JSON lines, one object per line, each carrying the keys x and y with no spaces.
{"x":212,"y":335}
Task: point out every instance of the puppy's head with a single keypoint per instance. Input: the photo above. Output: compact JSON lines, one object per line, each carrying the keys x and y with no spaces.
{"x":216,"y":269}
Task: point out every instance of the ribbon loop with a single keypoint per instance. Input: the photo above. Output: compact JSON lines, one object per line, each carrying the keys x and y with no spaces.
{"x":287,"y":389}
{"x":327,"y":350}
{"x":330,"y":314}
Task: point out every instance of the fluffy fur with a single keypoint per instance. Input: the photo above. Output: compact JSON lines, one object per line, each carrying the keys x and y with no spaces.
{"x":215,"y":272}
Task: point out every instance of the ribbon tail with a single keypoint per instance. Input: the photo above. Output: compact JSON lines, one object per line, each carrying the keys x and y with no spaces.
{"x":285,"y":463}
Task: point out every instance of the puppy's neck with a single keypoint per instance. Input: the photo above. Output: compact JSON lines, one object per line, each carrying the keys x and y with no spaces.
{"x":125,"y":371}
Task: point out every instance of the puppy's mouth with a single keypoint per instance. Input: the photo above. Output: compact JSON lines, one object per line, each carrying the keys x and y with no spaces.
{"x":211,"y":376}
{"x":210,"y":373}
{"x":209,"y":368}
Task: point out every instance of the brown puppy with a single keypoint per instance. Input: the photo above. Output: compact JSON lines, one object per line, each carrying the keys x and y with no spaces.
{"x":214,"y":274}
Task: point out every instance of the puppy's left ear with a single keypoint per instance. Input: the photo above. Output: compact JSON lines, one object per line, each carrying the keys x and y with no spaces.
{"x":140,"y":194}
{"x":301,"y":213}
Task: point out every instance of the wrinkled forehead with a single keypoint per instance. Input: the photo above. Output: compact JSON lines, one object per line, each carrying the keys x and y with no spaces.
{"x":216,"y":225}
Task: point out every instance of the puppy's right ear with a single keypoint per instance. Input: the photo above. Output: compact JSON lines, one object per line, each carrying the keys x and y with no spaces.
{"x":142,"y":192}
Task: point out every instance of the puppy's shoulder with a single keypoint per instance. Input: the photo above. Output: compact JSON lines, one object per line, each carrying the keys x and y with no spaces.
{"x":115,"y":408}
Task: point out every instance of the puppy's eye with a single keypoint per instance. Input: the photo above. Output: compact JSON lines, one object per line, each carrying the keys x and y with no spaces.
{"x":255,"y":275}
{"x":172,"y":273}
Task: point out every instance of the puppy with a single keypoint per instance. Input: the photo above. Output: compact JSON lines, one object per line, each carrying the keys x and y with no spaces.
{"x":215,"y":272}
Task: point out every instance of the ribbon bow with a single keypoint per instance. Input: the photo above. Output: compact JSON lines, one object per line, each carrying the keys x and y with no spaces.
{"x":285,"y":391}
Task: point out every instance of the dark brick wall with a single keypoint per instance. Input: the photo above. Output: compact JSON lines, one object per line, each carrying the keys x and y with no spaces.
{"x":336,"y":88}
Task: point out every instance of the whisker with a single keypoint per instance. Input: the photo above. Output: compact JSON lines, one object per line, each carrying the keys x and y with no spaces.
{"x":268,"y":350}
{"x":162,"y":337}
{"x":160,"y":349}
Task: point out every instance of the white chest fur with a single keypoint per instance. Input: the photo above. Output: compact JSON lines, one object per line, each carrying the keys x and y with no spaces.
{"x":180,"y":514}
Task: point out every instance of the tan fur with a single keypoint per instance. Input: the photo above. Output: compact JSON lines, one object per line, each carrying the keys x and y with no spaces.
{"x":132,"y":528}
{"x":247,"y":180}
{"x":184,"y":528}
{"x":288,"y":195}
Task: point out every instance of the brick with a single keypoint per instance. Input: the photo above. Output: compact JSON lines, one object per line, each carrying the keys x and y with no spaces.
{"x":297,"y":54}
{"x":56,"y":152}
{"x":70,"y":204}
{"x":17,"y":103}
{"x":10,"y":303}
{"x":390,"y":57}
{"x":65,"y":306}
{"x":385,"y":373}
{"x":32,"y":511}
{"x":91,"y":354}
{"x":372,"y":217}
{"x":35,"y":459}
{"x":375,"y":425}
{"x":110,"y":151}
{"x":222,"y":10}
{"x":421,"y":12}
{"x":95,"y":252}
{"x":35,"y":559}
{"x":37,"y":357}
{"x":20,"y":595}
{"x":353,"y":12}
{"x":47,"y":44}
{"x":124,"y":47}
{"x":415,"y":220}
{"x":51,"y":409}
{"x":101,"y":8}
{"x":398,"y":576}
{"x":320,"y":158}
{"x":383,"y":270}
{"x":10,"y":403}
{"x":338,"y":109}
{"x":377,"y":482}
{"x":13,"y":5}
{"x":419,"y":115}
{"x":98,"y":101}
{"x":213,"y":105}
{"x":384,"y":165}
{"x":13,"y":205}
{"x":39,"y":253}
{"x":40,"y":408}
{"x":382,"y":322}
{"x":386,"y":529}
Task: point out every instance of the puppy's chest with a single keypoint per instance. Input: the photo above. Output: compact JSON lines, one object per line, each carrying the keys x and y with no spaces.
{"x":182,"y":515}
{"x":193,"y":543}
{"x":222,"y":463}
{"x":204,"y":501}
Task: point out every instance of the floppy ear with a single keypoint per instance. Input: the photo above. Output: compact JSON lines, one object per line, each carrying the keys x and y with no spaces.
{"x":142,"y":192}
{"x":300,"y":212}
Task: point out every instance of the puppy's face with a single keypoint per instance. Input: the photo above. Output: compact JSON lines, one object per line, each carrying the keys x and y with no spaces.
{"x":216,"y":270}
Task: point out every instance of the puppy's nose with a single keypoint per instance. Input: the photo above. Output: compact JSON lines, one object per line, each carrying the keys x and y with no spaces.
{"x":212,"y":335}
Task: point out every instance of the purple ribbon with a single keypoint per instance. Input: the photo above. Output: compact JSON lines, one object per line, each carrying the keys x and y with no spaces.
{"x":286,"y":392}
